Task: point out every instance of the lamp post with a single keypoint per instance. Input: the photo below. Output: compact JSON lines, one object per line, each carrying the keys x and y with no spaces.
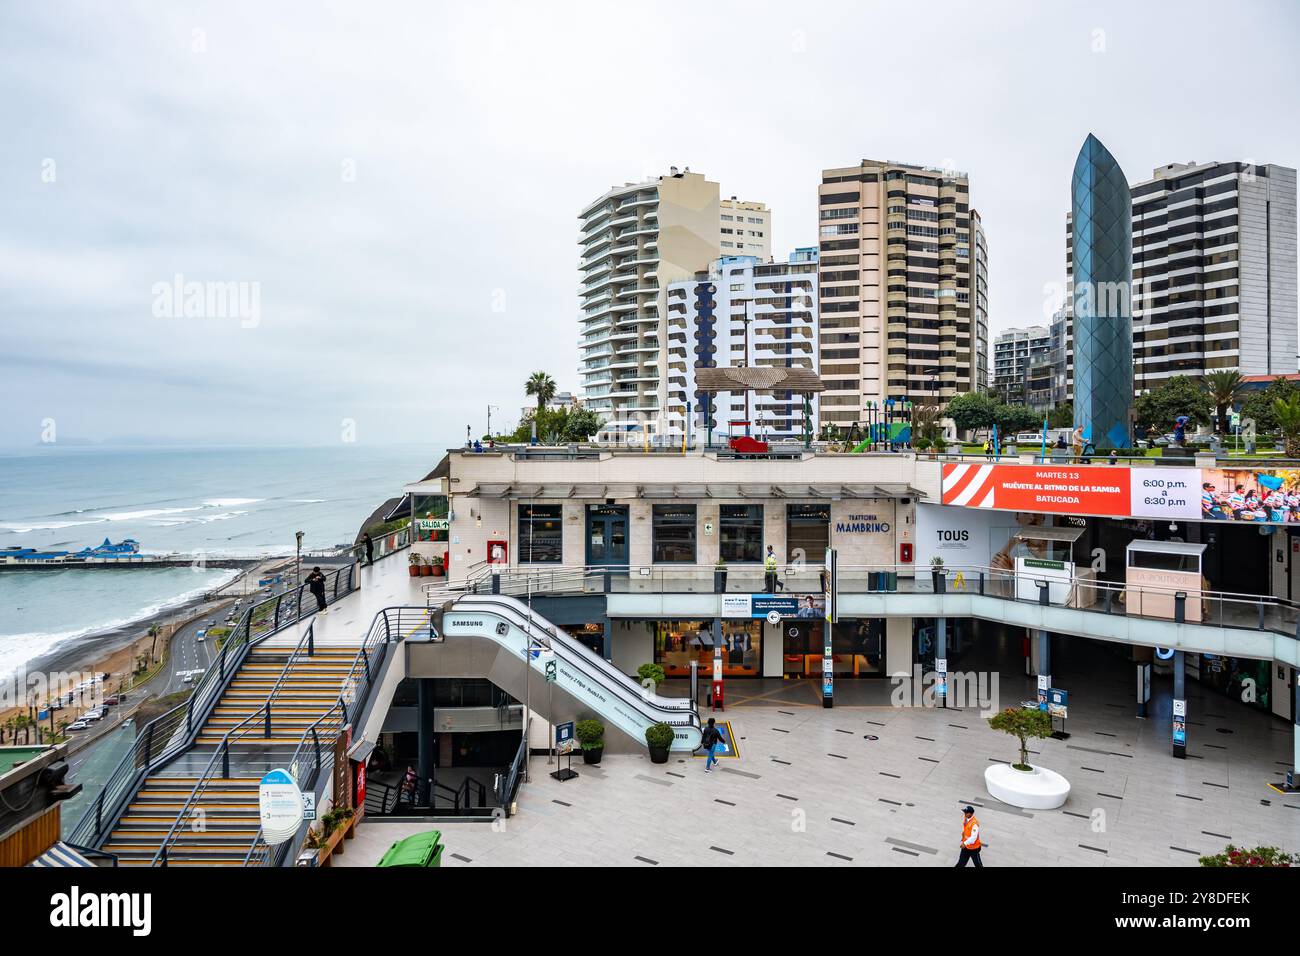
{"x":297,"y":558}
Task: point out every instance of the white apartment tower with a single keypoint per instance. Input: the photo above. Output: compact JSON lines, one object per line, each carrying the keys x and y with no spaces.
{"x":745,"y":312}
{"x":635,"y":240}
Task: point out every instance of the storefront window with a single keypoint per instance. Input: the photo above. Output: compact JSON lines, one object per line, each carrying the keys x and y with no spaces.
{"x":674,"y":533}
{"x":807,"y":532}
{"x":741,"y":533}
{"x":677,"y":643}
{"x":540,"y":534}
{"x":857,"y":648}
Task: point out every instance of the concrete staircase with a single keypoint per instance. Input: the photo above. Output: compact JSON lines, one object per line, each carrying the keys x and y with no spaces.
{"x":222,"y":824}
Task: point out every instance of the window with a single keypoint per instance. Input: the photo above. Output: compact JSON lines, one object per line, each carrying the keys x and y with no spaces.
{"x":673,"y":528}
{"x":741,"y":533}
{"x":807,"y":531}
{"x":540,"y":534}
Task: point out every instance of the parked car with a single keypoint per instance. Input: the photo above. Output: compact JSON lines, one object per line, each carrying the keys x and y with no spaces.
{"x":78,"y":725}
{"x":111,"y":701}
{"x":93,"y":715}
{"x":189,"y":679}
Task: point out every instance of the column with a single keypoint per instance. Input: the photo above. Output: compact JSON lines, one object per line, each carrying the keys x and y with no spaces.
{"x":1295,"y":731}
{"x":1180,"y":707}
{"x":1044,"y":665}
{"x":426,"y":734}
{"x":941,"y":662}
{"x":1142,"y":657}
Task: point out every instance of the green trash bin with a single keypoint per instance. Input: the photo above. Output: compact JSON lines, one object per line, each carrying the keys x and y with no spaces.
{"x":420,"y":849}
{"x":891,"y":580}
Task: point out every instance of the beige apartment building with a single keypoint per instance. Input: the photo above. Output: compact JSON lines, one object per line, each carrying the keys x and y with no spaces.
{"x":904,"y":286}
{"x":635,"y":240}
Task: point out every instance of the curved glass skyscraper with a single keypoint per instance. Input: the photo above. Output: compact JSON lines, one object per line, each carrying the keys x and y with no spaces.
{"x":1102,"y":215}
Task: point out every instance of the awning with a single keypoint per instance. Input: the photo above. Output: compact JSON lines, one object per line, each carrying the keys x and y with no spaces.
{"x":1068,"y":535}
{"x":696,"y":491}
{"x":60,"y":855}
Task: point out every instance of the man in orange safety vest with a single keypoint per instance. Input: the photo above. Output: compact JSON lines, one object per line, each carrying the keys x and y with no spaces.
{"x":970,"y":838}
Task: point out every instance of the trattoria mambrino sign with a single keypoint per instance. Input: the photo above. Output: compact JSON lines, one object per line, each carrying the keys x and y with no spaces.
{"x":1110,"y":491}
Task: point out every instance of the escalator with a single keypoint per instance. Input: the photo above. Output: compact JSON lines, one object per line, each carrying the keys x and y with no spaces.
{"x":488,"y":636}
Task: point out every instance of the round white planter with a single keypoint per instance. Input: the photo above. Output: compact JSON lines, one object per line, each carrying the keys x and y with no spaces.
{"x":1036,"y":789}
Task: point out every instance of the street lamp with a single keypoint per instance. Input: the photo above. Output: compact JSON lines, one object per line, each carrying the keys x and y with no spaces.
{"x":298,"y":558}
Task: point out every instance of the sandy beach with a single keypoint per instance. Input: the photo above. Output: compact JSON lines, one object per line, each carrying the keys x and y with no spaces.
{"x":115,"y":651}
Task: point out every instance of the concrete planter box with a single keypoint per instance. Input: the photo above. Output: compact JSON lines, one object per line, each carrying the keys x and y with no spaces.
{"x":1034,"y":789}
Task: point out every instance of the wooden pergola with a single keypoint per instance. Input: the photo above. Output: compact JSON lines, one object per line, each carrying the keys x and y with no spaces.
{"x":745,"y":378}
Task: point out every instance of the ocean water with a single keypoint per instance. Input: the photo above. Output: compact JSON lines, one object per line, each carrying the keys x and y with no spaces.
{"x":238,"y":502}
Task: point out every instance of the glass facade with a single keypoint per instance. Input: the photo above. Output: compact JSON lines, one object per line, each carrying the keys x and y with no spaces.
{"x":741,"y":533}
{"x":673,"y":530}
{"x":677,"y":643}
{"x":1102,"y":217}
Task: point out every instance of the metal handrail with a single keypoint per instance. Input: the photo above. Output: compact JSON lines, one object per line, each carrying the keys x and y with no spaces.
{"x":510,"y":781}
{"x":369,"y":658}
{"x":262,"y":715}
{"x":164,"y":734}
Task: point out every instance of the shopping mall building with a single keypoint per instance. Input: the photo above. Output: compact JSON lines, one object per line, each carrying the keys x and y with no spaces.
{"x":657,"y":557}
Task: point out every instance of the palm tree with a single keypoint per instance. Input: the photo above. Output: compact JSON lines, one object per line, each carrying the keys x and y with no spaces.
{"x":153,"y":642}
{"x":1222,"y":389}
{"x":1287,"y":413}
{"x":541,"y":385}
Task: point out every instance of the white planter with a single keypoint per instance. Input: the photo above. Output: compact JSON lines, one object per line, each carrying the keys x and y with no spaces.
{"x":1035,"y":789}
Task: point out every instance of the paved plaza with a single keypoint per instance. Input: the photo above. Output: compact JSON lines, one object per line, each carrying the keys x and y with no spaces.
{"x":868,"y":783}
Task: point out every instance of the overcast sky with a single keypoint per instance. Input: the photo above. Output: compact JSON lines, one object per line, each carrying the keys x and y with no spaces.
{"x":400,"y":182}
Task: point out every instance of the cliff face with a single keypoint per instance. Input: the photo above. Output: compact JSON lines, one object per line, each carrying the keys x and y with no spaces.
{"x":377,"y":516}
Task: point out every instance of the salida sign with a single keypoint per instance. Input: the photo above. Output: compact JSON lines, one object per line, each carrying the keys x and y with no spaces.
{"x":1105,"y":490}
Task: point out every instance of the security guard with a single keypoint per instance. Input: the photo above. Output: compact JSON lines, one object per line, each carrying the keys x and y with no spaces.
{"x":769,"y":569}
{"x":970,"y":838}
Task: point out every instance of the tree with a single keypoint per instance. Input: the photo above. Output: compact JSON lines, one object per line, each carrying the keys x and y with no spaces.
{"x":1258,"y":406}
{"x":153,"y":641}
{"x":1222,"y":389}
{"x":1287,"y":413}
{"x":1023,"y":724}
{"x":1180,"y":395}
{"x":972,"y":410}
{"x":1062,"y":416}
{"x":541,"y":385}
{"x":581,"y":424}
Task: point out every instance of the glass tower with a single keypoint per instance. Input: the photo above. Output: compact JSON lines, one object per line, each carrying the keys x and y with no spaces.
{"x":1102,"y":214}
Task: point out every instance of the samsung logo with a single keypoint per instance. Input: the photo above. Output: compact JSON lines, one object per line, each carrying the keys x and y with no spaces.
{"x":466,"y":622}
{"x":77,"y":909}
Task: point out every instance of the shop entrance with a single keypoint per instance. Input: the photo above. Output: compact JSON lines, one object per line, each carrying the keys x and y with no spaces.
{"x":857,"y":648}
{"x":607,"y":535}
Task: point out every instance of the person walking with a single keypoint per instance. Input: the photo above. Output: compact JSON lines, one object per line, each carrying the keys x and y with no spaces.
{"x":710,"y":740}
{"x":769,"y":571}
{"x":316,"y":582}
{"x":370,"y":548}
{"x":970,"y":839}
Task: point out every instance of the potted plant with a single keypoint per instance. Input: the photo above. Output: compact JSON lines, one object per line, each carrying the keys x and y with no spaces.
{"x":438,"y":569}
{"x":937,"y":574}
{"x":1258,"y":856}
{"x":659,"y":737}
{"x":720,"y":576}
{"x":426,"y":569}
{"x":653,"y":673}
{"x":413,"y":565}
{"x":591,"y":737}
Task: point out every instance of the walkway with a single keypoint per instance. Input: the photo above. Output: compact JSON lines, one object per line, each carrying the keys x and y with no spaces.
{"x":812,"y":788}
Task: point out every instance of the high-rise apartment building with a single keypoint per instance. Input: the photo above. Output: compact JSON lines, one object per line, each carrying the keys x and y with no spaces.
{"x":635,"y":240}
{"x":1015,"y":352}
{"x":1214,"y":272}
{"x":744,"y":228}
{"x":745,"y":312}
{"x":903,"y":302}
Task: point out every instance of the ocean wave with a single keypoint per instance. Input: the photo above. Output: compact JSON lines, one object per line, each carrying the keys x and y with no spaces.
{"x":231,"y":502}
{"x":19,"y":649}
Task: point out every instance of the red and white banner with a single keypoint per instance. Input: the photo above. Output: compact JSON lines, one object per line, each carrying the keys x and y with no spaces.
{"x":1109,"y":491}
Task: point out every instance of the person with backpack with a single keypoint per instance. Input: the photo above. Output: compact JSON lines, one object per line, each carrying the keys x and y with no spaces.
{"x":710,"y":740}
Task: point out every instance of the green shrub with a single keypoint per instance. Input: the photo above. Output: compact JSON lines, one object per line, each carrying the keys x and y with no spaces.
{"x":651,"y":672}
{"x":1259,"y":856}
{"x":659,"y":735}
{"x":590,"y":734}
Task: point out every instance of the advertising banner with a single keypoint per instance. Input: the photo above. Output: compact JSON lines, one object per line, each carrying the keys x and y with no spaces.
{"x":763,"y":605}
{"x":1106,"y":491}
{"x":1271,"y":496}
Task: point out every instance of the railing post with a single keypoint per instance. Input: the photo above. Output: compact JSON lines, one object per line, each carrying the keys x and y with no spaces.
{"x":1043,"y":592}
{"x":496,"y":582}
{"x":311,"y":641}
{"x":981,"y":582}
{"x":1180,"y":607}
{"x":148,"y":745}
{"x":1261,"y":613}
{"x":268,"y":719}
{"x":365,"y":659}
{"x":225,"y":760}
